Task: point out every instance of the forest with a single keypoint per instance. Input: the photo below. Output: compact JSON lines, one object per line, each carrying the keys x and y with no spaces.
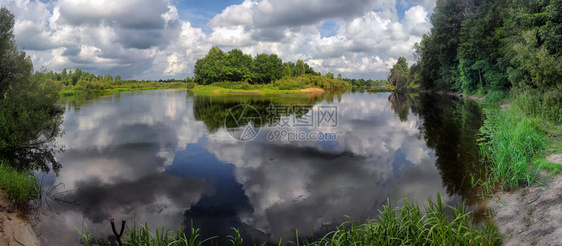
{"x":494,"y":47}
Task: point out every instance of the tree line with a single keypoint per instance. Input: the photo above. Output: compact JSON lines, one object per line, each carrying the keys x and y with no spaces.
{"x":492,"y":45}
{"x":234,"y":65}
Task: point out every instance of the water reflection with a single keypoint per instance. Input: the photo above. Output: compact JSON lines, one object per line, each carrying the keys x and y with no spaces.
{"x":163,"y":157}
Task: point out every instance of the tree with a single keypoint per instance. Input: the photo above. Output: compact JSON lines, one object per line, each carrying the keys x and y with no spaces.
{"x":287,"y":70}
{"x":429,"y":65}
{"x":300,"y":69}
{"x":447,"y":21}
{"x":481,"y":62}
{"x":399,"y":74}
{"x":207,"y":70}
{"x":236,"y":66}
{"x":30,"y":115}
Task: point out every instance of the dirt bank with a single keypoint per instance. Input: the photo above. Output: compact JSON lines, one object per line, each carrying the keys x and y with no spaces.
{"x":15,"y":230}
{"x":312,"y":90}
{"x":531,"y":216}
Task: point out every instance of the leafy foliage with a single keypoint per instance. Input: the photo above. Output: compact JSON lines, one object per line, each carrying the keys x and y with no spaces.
{"x":399,"y":74}
{"x":218,"y":66}
{"x":29,"y":112}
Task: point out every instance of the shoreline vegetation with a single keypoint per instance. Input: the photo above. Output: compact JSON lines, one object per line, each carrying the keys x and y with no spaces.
{"x":401,"y":223}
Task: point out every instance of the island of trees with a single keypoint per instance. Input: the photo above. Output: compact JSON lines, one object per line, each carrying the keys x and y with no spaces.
{"x":236,"y":70}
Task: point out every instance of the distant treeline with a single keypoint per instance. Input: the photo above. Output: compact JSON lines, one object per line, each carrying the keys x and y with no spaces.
{"x":234,"y":65}
{"x":70,"y":82}
{"x":365,"y":83}
{"x":68,"y":77}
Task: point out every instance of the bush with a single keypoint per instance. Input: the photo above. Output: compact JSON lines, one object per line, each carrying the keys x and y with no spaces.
{"x":297,"y":83}
{"x":306,"y":81}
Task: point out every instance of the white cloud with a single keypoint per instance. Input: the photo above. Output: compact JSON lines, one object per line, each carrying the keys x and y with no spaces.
{"x":147,"y":39}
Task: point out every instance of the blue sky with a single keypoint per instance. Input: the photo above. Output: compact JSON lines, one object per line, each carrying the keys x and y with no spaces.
{"x":153,"y":39}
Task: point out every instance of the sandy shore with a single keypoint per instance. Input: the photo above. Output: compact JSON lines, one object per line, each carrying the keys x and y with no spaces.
{"x":531,"y":216}
{"x":15,"y":230}
{"x":312,"y":90}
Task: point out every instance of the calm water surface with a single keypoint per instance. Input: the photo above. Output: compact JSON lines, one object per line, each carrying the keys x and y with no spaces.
{"x":164,"y":158}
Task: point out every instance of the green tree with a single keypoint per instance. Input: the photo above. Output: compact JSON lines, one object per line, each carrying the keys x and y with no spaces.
{"x":399,"y":74}
{"x":207,"y":70}
{"x":287,"y":70}
{"x":300,"y":68}
{"x":447,"y":21}
{"x":481,"y":61}
{"x":30,"y":115}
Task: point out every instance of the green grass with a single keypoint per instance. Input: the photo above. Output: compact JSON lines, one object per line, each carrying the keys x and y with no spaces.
{"x":546,"y":105}
{"x":145,"y":237}
{"x":510,"y":141}
{"x":85,"y":88}
{"x":282,"y":86}
{"x":112,"y":90}
{"x":409,"y":225}
{"x":496,"y":97}
{"x":20,"y":187}
{"x":553,"y":146}
{"x":382,"y":88}
{"x":436,"y":224}
{"x":213,"y":89}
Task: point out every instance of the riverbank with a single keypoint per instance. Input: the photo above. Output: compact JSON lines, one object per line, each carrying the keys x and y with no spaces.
{"x":210,"y":89}
{"x":524,"y":190}
{"x":14,"y":227}
{"x":77,"y":92}
{"x":530,"y":216}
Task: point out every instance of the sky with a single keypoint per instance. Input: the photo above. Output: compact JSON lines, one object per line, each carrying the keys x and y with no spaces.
{"x":160,"y":39}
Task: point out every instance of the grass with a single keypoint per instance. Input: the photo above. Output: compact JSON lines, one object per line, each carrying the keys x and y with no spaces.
{"x":515,"y":141}
{"x":510,"y":141}
{"x":436,"y":224}
{"x":282,"y":86}
{"x":496,"y":97}
{"x":553,"y":146}
{"x":382,"y":88}
{"x":144,"y":236}
{"x":213,"y":89}
{"x":546,"y":105}
{"x":20,"y":187}
{"x":74,"y":92}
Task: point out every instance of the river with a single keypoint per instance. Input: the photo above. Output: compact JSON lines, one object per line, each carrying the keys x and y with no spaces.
{"x":170,"y":159}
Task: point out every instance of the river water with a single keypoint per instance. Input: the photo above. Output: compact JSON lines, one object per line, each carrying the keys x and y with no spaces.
{"x":170,"y":159}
